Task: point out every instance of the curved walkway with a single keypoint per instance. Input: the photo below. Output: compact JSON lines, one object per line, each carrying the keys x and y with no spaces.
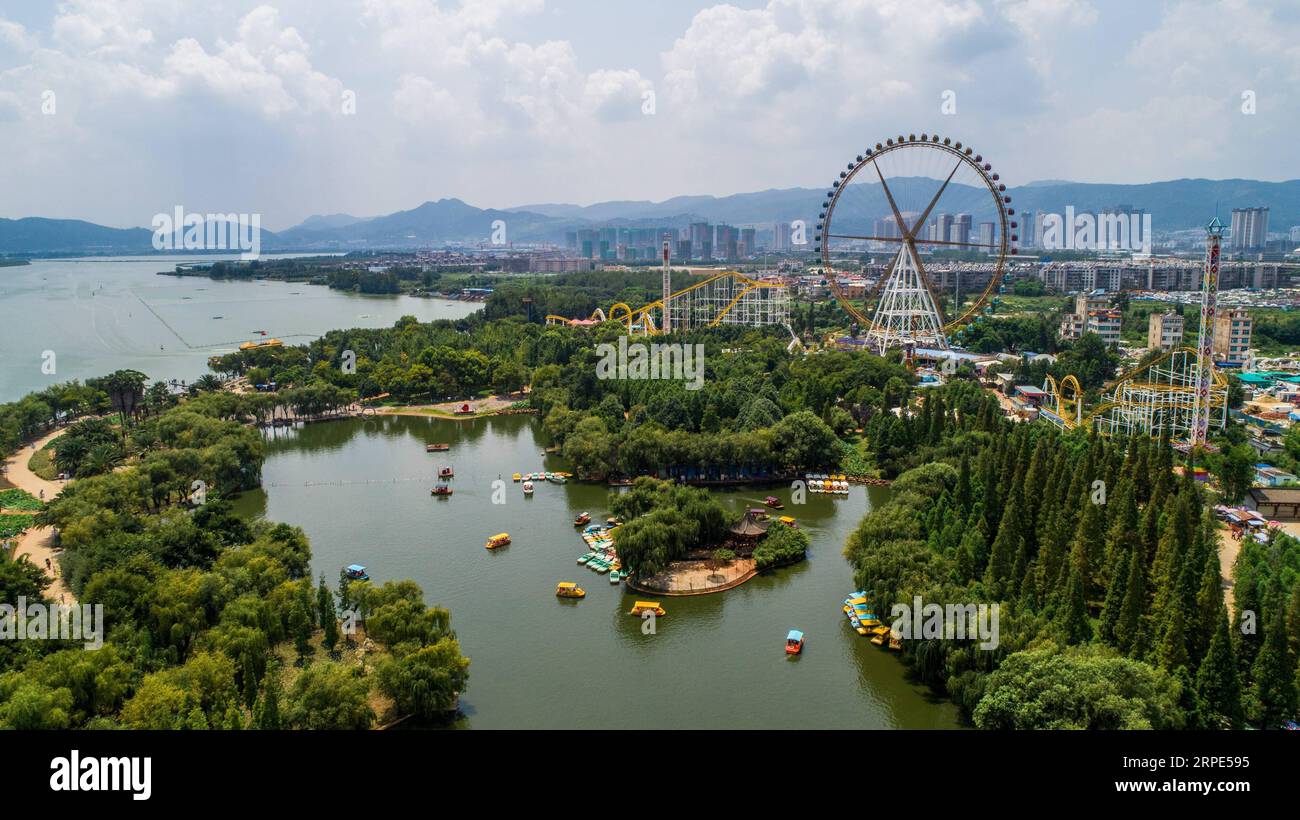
{"x":37,"y":543}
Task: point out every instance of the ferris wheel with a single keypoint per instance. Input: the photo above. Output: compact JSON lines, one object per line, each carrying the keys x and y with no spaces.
{"x":924,"y":216}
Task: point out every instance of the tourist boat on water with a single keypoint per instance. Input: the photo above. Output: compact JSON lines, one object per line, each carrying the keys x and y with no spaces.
{"x":516,"y":477}
{"x":879,"y":639}
{"x":760,"y":514}
{"x":788,"y":521}
{"x":436,"y":448}
{"x":585,"y":557}
{"x":581,"y":518}
{"x":648,"y":606}
{"x":794,"y":642}
{"x":895,"y":643}
{"x":446,"y":472}
{"x":528,"y":488}
{"x":356,"y":572}
{"x":498,"y":540}
{"x":555,"y":478}
{"x":441,"y":490}
{"x":773,"y":502}
{"x":568,"y":589}
{"x":615,"y":576}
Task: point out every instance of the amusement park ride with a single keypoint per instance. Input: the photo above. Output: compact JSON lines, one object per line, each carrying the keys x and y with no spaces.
{"x":726,"y":297}
{"x":905,"y":309}
{"x":1179,"y":393}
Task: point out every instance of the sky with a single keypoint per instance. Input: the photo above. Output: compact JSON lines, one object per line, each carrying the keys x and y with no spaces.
{"x":115,"y":110}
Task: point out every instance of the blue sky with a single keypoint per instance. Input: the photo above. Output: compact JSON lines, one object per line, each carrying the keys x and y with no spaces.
{"x":113,"y":110}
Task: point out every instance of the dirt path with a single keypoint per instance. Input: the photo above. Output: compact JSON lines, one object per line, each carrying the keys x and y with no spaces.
{"x":450,"y":409}
{"x":1228,"y":549}
{"x":37,"y":543}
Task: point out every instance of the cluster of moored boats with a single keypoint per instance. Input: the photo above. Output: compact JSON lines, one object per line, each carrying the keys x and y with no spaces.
{"x":601,"y":556}
{"x":862,"y":617}
{"x":529,"y":479}
{"x":823,"y":483}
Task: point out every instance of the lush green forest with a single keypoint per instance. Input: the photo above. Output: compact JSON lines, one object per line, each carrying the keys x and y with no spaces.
{"x":1105,"y":564}
{"x":211,"y":622}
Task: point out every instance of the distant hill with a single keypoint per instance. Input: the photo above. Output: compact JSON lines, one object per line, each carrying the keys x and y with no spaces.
{"x":447,"y":220}
{"x":328,"y":221}
{"x":1174,"y":205}
{"x":37,"y":235}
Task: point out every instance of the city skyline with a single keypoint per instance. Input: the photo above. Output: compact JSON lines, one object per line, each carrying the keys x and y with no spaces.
{"x":113,"y":112}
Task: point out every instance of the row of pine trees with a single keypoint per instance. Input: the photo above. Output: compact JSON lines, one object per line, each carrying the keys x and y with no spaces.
{"x":1084,"y":540}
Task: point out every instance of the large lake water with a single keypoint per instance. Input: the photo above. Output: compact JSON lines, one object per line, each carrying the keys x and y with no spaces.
{"x":360,"y":489}
{"x":99,"y":315}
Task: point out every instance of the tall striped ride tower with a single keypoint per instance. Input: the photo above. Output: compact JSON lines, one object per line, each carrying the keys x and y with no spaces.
{"x":1205,"y":343}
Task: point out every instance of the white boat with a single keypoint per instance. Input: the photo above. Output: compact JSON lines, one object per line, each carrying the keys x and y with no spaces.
{"x":528,"y":488}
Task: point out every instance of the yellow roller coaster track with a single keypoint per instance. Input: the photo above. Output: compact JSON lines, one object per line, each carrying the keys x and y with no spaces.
{"x":1057,"y":392}
{"x":644,"y":316}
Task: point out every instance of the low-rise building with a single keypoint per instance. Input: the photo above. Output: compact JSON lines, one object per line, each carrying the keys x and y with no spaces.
{"x":1164,"y":330}
{"x":1106,"y":324}
{"x":1071,"y":326}
{"x":1275,"y":503}
{"x":1266,"y":475}
{"x":1232,"y":329}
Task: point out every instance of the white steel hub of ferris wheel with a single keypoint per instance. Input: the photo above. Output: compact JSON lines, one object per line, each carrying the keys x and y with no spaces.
{"x":906,"y":313}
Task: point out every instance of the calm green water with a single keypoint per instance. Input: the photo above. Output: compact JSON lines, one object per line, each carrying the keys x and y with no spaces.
{"x":99,"y":315}
{"x":717,"y":661}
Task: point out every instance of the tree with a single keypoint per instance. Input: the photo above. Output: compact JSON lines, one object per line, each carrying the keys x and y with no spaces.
{"x":1078,"y":689}
{"x":1217,"y":685}
{"x":1274,"y":673}
{"x":1130,"y":628}
{"x":427,"y":681}
{"x":125,"y":389}
{"x":327,"y":615}
{"x":1074,"y":621}
{"x":1236,"y":472}
{"x":327,"y":696}
{"x":802,"y":440}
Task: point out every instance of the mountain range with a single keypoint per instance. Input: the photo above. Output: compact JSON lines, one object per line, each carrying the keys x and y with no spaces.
{"x":1182,"y":204}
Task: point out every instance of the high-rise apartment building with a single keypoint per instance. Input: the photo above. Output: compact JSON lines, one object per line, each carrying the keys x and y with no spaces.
{"x":725,"y":242}
{"x":746,"y":247}
{"x":960,"y":230}
{"x":701,"y":240}
{"x":781,"y":237}
{"x":1249,"y":229}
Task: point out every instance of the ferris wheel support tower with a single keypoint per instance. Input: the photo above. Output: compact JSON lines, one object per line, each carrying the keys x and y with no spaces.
{"x":906,"y":313}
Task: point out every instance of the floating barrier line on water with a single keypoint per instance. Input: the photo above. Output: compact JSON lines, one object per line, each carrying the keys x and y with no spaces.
{"x":183,"y":341}
{"x":344,"y":482}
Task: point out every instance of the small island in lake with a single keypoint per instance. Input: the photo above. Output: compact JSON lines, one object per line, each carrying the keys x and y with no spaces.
{"x":677,"y":540}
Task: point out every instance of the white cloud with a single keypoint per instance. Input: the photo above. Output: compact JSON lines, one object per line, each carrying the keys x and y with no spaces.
{"x":266,"y":69}
{"x":14,"y":36}
{"x":501,"y":102}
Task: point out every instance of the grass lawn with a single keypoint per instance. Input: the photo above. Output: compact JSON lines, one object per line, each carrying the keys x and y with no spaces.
{"x":13,"y":524}
{"x":19,"y":500}
{"x":42,"y":463}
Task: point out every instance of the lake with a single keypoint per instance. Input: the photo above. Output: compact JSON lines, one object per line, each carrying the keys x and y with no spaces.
{"x":360,"y":489}
{"x":102,"y":314}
